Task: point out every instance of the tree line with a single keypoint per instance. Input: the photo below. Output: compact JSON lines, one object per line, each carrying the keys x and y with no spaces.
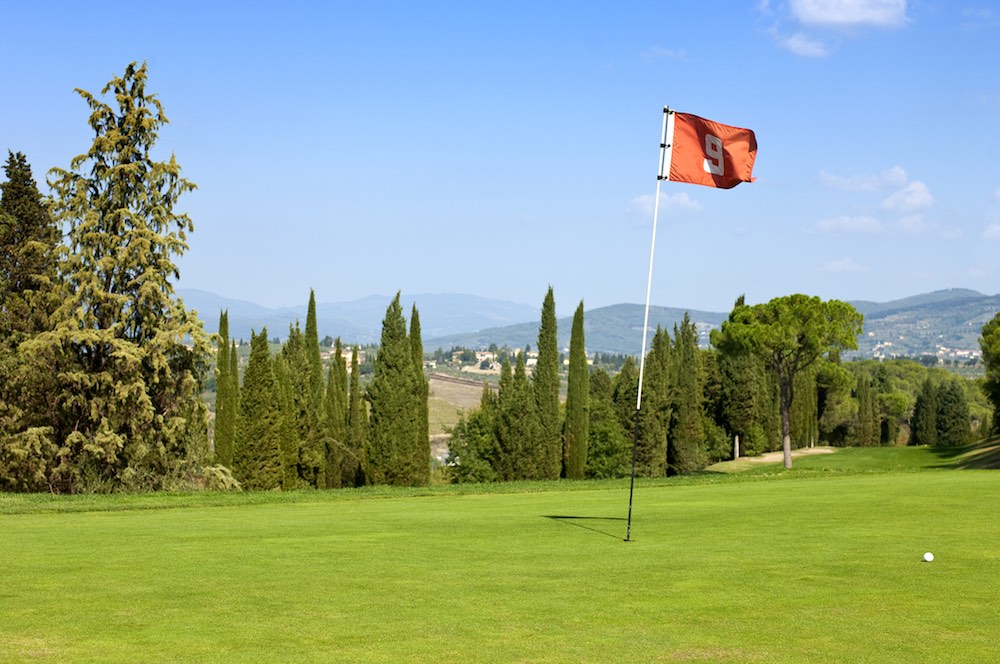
{"x":772,"y":379}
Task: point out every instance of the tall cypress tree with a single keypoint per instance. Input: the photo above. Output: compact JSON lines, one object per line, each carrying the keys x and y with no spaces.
{"x":422,"y":442}
{"x":866,"y":429}
{"x":356,"y":455}
{"x":225,"y":412}
{"x":687,"y":451}
{"x":257,"y":454}
{"x":286,"y":393}
{"x":609,"y":449}
{"x":577,"y":402}
{"x":394,"y":415}
{"x":546,"y":391}
{"x":654,"y":416}
{"x":335,"y":419}
{"x":924,"y":428}
{"x":952,"y":415}
{"x":519,"y":427}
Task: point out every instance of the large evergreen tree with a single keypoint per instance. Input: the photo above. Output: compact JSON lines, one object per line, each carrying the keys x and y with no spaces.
{"x":126,"y":356}
{"x":29,"y":241}
{"x":577,"y":402}
{"x":225,"y":408}
{"x":335,"y":418}
{"x":394,"y":414}
{"x":29,"y":294}
{"x":609,"y":445}
{"x":422,"y":438}
{"x":546,"y":391}
{"x":923,"y":425}
{"x":989,"y":343}
{"x":655,"y":413}
{"x":257,"y":459}
{"x":523,"y":453}
{"x":355,"y":467}
{"x":953,"y":415}
{"x":687,"y":443}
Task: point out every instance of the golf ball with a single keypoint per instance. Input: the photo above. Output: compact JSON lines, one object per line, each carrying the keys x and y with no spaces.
{"x":928,"y":557}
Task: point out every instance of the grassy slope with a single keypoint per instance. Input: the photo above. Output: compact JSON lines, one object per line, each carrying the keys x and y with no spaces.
{"x":818,"y":565}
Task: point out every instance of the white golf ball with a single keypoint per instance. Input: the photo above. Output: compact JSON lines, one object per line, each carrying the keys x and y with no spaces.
{"x":928,"y":557}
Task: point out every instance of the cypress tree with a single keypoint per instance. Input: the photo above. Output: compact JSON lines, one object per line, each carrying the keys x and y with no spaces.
{"x":127,"y":355}
{"x":356,"y":459}
{"x":654,"y":416}
{"x":577,"y":402}
{"x":422,"y":442}
{"x":924,"y":427}
{"x":225,"y":413}
{"x":304,"y":367}
{"x":288,"y":419}
{"x":609,"y":449}
{"x":867,"y":430}
{"x":804,"y":413}
{"x":953,"y":427}
{"x":335,"y":419}
{"x":394,"y":415}
{"x":518,"y":427}
{"x":257,"y":455}
{"x":546,"y":390}
{"x":687,"y":451}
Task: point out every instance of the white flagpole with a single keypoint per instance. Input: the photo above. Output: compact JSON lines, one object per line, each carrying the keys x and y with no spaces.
{"x":662,"y":174}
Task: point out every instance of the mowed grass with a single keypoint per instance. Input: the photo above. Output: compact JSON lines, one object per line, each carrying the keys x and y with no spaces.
{"x":810,"y":565}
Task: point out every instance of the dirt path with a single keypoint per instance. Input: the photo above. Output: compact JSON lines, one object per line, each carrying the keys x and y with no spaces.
{"x":773,"y":457}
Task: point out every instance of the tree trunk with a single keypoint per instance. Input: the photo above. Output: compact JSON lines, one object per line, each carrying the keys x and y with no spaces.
{"x":786,"y":426}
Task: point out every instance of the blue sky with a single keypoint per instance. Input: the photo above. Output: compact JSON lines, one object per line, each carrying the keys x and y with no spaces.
{"x":495,"y":149}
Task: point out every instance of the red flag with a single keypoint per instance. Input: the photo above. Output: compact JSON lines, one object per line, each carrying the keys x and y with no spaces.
{"x":703,"y":152}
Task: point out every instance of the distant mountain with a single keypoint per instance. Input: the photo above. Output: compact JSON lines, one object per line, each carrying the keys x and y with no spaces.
{"x":613,"y":329}
{"x":359,"y":321}
{"x":945,"y":323}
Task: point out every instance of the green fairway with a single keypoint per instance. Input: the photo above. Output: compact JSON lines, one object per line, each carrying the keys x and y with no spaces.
{"x":811,"y":567}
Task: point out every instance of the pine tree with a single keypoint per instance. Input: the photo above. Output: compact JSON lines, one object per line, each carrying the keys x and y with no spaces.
{"x":421,"y":444}
{"x":356,"y":455}
{"x":127,"y":356}
{"x":257,"y":462}
{"x":394,"y":414}
{"x":546,"y":390}
{"x":577,"y":402}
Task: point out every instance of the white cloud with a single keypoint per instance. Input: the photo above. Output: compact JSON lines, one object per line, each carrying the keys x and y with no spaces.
{"x":891,"y":177}
{"x":800,"y":44}
{"x":848,"y":224}
{"x":913,"y":223}
{"x":914,"y":196}
{"x":661,"y":53}
{"x":850,"y":13}
{"x":992,"y":232}
{"x":845,"y":264}
{"x":642,"y":206}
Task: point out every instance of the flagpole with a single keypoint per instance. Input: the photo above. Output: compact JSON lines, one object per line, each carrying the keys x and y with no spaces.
{"x":660,"y":176}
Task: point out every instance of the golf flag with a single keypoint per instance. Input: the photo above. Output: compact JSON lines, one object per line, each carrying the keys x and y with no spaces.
{"x":704,"y":152}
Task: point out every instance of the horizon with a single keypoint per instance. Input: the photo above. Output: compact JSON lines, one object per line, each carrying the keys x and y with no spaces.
{"x":367,"y":149}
